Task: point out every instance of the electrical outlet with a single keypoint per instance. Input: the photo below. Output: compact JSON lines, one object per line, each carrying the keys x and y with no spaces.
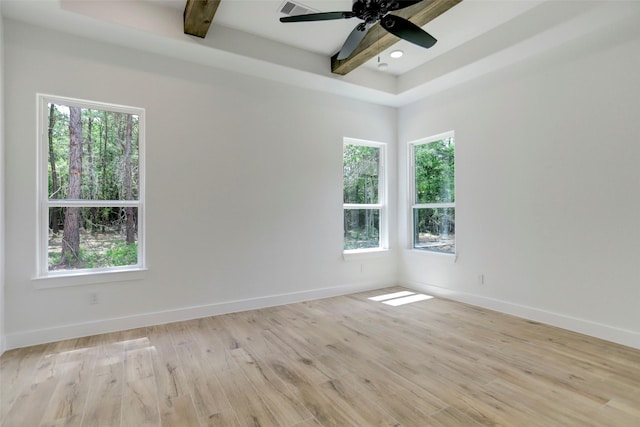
{"x":93,"y":298}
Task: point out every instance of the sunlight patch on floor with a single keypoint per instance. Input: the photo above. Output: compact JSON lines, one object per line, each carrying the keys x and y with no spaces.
{"x":391,"y":296}
{"x":407,"y":300}
{"x":400,"y":298}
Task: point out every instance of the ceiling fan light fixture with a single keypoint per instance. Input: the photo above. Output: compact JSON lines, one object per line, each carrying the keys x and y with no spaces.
{"x":396,"y":54}
{"x":372,"y":12}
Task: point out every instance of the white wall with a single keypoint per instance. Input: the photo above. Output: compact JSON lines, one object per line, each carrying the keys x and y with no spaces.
{"x":244,"y":187}
{"x":547,"y":170}
{"x":547,"y":176}
{"x":2,"y":180}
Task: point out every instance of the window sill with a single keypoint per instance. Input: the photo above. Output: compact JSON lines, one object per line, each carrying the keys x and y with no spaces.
{"x":87,"y":278}
{"x":364,"y":254}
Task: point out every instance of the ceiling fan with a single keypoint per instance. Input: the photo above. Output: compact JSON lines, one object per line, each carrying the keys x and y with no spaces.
{"x":370,"y":12}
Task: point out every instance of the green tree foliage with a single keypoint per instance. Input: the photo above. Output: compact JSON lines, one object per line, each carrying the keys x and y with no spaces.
{"x":435,"y":170}
{"x":104,"y":136}
{"x":361,"y":186}
{"x":361,"y":174}
{"x":434,"y":227}
{"x":109,"y":170}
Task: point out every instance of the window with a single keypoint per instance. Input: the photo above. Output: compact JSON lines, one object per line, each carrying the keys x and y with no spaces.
{"x":364,"y":196}
{"x":91,"y":187}
{"x":433,"y":193}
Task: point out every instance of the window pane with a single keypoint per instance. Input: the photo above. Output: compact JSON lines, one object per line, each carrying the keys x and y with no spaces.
{"x":361,"y":174}
{"x":92,"y":154}
{"x":94,"y":237}
{"x":434,"y":169}
{"x":434,"y":229}
{"x":361,"y":228}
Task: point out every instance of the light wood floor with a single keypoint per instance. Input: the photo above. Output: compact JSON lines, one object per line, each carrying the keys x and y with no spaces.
{"x":344,"y":361}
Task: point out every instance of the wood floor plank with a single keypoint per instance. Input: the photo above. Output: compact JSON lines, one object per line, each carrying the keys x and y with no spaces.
{"x":359,"y":409}
{"x":324,"y":411}
{"x":248,"y":405}
{"x":222,"y":419}
{"x":170,"y":378}
{"x":618,"y":412}
{"x":45,"y":380}
{"x":104,"y":401}
{"x":402,"y":399}
{"x":209,"y":335}
{"x":67,"y":403}
{"x":314,"y":368}
{"x":140,"y":406}
{"x":308,"y":423}
{"x":178,"y":411}
{"x":16,"y":371}
{"x":104,"y":404}
{"x":451,"y":416}
{"x":24,"y":412}
{"x":281,"y":400}
{"x":203,"y":385}
{"x":343,"y":361}
{"x":140,"y":403}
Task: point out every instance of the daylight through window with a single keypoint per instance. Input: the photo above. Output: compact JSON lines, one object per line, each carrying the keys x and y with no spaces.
{"x":433,"y":193}
{"x":92,"y":196}
{"x":364,"y":195}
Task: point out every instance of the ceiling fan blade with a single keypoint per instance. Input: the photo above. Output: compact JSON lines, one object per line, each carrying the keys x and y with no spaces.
{"x":407,"y":30}
{"x":401,"y":4}
{"x":323,"y":16}
{"x":353,"y":40}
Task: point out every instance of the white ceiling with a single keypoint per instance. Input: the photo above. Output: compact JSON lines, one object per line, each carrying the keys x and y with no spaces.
{"x":475,"y":37}
{"x":261,"y":18}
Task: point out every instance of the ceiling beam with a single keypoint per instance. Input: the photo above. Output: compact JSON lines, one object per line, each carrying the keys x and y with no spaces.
{"x":378,"y":39}
{"x":198,"y":15}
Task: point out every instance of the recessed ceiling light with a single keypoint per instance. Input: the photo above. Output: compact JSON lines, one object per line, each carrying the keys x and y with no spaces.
{"x":396,"y":54}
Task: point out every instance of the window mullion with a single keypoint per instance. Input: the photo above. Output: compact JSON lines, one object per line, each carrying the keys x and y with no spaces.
{"x":433,"y":205}
{"x":61,"y":203}
{"x":362,"y":206}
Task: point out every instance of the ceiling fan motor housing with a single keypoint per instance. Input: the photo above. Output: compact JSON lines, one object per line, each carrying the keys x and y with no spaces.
{"x":371,"y":11}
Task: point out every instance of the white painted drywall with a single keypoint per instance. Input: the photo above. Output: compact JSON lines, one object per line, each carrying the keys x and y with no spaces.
{"x":2,"y":181}
{"x":546,"y":173}
{"x":244,"y":187}
{"x":547,"y":176}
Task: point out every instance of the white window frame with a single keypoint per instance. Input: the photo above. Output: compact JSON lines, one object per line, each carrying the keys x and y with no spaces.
{"x":412,"y":192}
{"x":382,"y":205}
{"x":88,"y":275}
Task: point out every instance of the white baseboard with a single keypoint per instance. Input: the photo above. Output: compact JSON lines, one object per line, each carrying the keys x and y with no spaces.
{"x":598,"y":330}
{"x":42,"y":336}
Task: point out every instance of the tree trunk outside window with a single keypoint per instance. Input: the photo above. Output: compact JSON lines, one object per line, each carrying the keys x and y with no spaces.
{"x":71,"y":235}
{"x":55,"y":227}
{"x":130,"y":226}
